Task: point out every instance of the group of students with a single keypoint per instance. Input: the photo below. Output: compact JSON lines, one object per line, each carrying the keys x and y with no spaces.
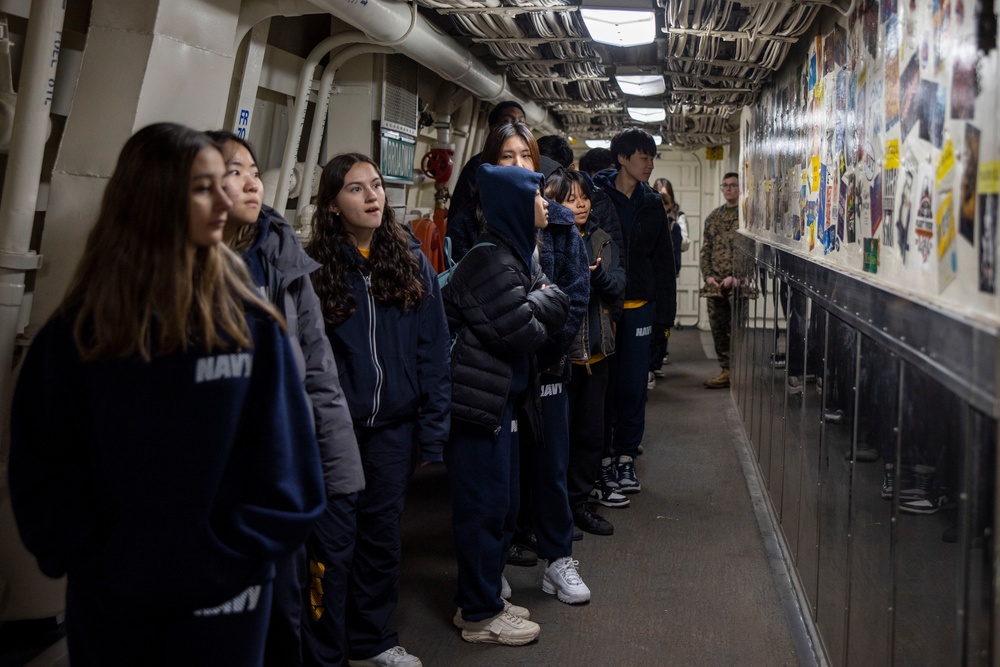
{"x":213,"y":434}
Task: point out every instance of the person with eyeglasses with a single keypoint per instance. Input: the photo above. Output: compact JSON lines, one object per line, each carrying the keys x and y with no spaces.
{"x":716,"y":262}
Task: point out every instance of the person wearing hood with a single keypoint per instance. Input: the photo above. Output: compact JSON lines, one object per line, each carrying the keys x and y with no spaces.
{"x":650,"y":305}
{"x":280,"y":269}
{"x":385,"y":320}
{"x":501,"y":309}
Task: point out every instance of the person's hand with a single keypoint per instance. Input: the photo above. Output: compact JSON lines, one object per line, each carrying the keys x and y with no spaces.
{"x":711,"y":281}
{"x":544,"y":286}
{"x":727,"y":282}
{"x":597,"y":263}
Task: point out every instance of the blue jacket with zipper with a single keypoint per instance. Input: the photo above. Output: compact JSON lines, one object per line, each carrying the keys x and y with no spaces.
{"x":395,"y":365}
{"x":563,"y":258}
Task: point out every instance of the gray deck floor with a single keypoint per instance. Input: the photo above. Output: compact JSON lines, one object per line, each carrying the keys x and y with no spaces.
{"x":685,"y":579}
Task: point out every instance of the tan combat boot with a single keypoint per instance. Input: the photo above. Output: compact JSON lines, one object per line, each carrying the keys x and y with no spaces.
{"x":720,"y":381}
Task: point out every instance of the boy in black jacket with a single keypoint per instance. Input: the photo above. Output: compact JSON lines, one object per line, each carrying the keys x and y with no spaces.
{"x":650,"y":300}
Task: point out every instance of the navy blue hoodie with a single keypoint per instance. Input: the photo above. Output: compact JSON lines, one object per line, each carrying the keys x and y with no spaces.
{"x":563,"y":257}
{"x":167,"y":485}
{"x":408,"y":377}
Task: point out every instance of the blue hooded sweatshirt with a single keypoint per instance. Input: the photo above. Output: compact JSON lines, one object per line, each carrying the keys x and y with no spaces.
{"x":505,"y":214}
{"x":563,"y":257}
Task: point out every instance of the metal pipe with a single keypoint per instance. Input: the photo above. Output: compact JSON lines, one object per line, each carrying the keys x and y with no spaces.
{"x":320,"y":117}
{"x":387,"y":22}
{"x":298,"y":115}
{"x":17,"y":219}
{"x":253,"y":12}
{"x":24,"y":169}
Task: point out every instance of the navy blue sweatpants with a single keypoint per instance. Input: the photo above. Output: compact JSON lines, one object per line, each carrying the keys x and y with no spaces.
{"x":547,"y":462}
{"x":102,"y":632}
{"x":484,"y":475}
{"x":627,"y":392}
{"x":355,"y":553}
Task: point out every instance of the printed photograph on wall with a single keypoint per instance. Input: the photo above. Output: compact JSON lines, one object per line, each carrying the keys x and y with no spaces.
{"x":876,"y":198}
{"x":931,"y":112}
{"x":909,"y":105}
{"x":924,"y":223}
{"x":988,"y":243}
{"x":942,"y":16}
{"x":891,"y":73}
{"x":871,"y":256}
{"x":889,"y":204}
{"x":905,"y":214}
{"x":967,"y":193}
{"x":963,"y":83}
{"x":945,"y":228}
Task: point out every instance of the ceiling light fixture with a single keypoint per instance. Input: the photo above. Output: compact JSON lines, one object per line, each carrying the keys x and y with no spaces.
{"x":619,"y":22}
{"x":598,"y":143}
{"x":641,"y":85}
{"x":647,"y":114}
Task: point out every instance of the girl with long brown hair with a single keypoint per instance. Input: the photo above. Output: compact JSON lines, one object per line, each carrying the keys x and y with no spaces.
{"x":385,"y":321}
{"x":162,"y":453}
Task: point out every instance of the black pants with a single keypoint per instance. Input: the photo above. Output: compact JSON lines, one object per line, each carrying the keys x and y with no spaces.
{"x":355,"y":553}
{"x":586,"y":429}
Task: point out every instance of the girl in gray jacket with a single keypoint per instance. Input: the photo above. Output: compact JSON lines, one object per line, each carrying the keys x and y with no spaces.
{"x":280,"y":268}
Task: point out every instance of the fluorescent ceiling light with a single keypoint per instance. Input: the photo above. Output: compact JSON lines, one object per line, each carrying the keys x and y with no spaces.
{"x":598,"y":143}
{"x":657,"y":139}
{"x":647,"y":114}
{"x":641,"y":85}
{"x":619,"y":27}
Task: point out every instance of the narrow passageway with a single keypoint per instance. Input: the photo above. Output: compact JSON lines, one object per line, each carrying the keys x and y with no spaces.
{"x":685,"y":579}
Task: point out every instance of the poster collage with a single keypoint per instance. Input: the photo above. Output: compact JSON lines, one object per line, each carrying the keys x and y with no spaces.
{"x":878,"y":150}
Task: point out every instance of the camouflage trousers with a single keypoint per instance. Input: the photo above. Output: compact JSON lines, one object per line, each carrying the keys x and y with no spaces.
{"x":720,"y":313}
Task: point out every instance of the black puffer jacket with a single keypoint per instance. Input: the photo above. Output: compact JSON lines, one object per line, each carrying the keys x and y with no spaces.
{"x":496,"y":308}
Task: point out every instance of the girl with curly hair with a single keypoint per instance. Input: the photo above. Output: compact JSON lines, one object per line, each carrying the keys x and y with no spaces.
{"x":386,"y":323}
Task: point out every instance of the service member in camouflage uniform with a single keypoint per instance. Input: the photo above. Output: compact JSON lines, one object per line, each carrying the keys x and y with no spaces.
{"x":717,"y":271}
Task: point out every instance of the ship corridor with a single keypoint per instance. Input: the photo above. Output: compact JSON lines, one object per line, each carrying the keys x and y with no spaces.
{"x":692,"y":575}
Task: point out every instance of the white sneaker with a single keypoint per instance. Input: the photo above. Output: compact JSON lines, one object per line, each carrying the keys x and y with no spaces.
{"x":511,"y":609}
{"x":562,"y":578}
{"x":504,"y":628}
{"x":650,"y":380}
{"x":504,"y":588}
{"x":393,"y":657}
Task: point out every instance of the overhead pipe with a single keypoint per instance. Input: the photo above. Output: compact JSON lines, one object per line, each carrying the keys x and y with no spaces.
{"x":253,"y":12}
{"x":385,"y":22}
{"x":298,"y":116}
{"x":320,"y":116}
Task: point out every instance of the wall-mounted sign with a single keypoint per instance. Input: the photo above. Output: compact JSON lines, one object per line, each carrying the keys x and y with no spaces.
{"x":397,"y":155}
{"x":713,"y":153}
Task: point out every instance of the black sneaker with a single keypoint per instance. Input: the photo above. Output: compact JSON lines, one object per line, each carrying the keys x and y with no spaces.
{"x":930,"y":504}
{"x":602,"y":495}
{"x":888,"y":480}
{"x":521,"y":556}
{"x":577,"y":534}
{"x":919,"y":484}
{"x":587,"y":519}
